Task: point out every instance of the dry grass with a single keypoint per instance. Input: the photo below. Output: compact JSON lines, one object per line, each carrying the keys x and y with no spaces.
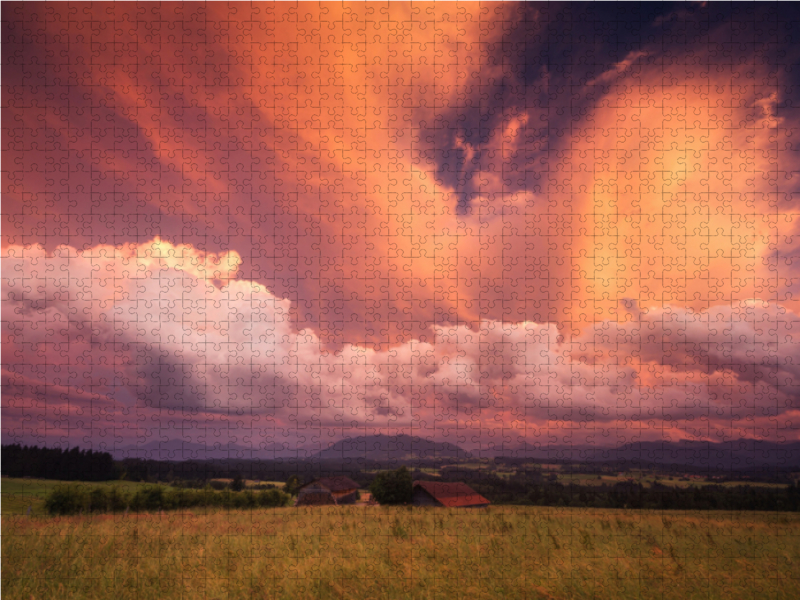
{"x":376,"y":552}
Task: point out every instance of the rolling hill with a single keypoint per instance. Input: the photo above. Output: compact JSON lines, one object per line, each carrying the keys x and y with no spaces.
{"x":393,"y":448}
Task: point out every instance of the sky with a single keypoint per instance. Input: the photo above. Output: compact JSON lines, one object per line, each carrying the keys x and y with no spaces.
{"x":274,"y":226}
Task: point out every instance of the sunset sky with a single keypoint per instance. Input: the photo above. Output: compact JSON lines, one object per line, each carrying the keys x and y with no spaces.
{"x":278,"y":225}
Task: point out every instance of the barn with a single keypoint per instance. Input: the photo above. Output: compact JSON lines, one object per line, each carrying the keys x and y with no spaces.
{"x":450,"y":495}
{"x":328,"y":490}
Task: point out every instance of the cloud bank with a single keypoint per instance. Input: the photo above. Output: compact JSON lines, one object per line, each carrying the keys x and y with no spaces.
{"x":121,"y":344}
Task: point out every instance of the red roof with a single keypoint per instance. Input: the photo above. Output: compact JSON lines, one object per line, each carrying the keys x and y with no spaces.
{"x":453,"y":495}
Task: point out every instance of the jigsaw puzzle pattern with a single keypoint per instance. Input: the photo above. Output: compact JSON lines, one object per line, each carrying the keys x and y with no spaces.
{"x":402,"y":231}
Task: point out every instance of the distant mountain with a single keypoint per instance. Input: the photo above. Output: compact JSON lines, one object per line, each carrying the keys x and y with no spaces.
{"x":394,"y":448}
{"x":741,"y":454}
{"x":177,"y":450}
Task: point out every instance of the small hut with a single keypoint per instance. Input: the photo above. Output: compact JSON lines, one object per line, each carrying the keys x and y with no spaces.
{"x":328,"y":490}
{"x":450,"y":495}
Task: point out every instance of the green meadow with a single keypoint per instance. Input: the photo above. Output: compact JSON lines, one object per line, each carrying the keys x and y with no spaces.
{"x":401,"y":552}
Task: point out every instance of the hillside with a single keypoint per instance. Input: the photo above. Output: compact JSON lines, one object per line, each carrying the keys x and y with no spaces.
{"x":391,"y":448}
{"x":735,"y":455}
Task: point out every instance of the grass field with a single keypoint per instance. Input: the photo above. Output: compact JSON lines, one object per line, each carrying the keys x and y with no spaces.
{"x":394,"y":553}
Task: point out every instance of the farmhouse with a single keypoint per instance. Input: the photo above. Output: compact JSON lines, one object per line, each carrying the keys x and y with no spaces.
{"x":450,"y":495}
{"x":328,"y":490}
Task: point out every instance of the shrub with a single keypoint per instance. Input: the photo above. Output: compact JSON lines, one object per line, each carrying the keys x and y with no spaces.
{"x":150,"y":497}
{"x":117,"y":501}
{"x":73,"y":499}
{"x":242,"y":499}
{"x":392,"y":487}
{"x":65,"y":500}
{"x":271,"y":498}
{"x":98,"y":500}
{"x":292,"y":485}
{"x":237,"y":485}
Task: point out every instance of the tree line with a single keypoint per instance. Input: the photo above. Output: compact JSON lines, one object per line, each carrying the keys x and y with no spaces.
{"x":73,"y":499}
{"x":538,"y":491}
{"x":72,"y":464}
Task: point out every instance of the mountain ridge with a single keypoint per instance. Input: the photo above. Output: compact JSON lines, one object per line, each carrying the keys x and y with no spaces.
{"x":743,"y":453}
{"x":391,"y":447}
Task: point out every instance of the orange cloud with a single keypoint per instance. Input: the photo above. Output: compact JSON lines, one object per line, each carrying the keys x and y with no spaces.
{"x":259,"y":203}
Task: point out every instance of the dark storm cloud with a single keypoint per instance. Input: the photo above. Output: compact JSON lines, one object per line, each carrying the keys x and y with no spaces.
{"x":552,"y":58}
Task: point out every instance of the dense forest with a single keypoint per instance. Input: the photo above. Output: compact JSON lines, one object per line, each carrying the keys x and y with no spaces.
{"x":54,"y":463}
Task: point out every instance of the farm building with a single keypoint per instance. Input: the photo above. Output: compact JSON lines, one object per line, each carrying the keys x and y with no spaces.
{"x":450,"y":495}
{"x":328,"y":490}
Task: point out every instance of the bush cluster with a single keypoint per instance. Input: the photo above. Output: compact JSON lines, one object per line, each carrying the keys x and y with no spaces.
{"x":392,"y":487}
{"x":74,"y":499}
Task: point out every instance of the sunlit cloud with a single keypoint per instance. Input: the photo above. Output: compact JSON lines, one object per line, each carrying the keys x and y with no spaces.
{"x":144,"y":330}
